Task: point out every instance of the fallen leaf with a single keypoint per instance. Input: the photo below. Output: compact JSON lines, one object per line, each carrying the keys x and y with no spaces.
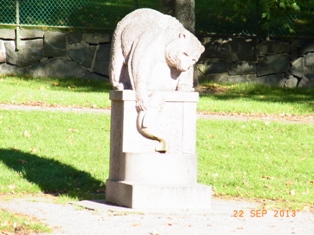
{"x":22,"y":161}
{"x":306,"y":192}
{"x":27,"y":134}
{"x":268,"y":177}
{"x":73,"y":130}
{"x":288,"y":183}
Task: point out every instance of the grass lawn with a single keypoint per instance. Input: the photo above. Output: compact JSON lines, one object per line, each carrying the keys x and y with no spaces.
{"x":67,"y":154}
{"x":254,"y":98}
{"x":241,"y":98}
{"x":254,"y":159}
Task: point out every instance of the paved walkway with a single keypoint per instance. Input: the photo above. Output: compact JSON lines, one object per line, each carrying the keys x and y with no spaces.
{"x":215,"y":116}
{"x":225,"y":217}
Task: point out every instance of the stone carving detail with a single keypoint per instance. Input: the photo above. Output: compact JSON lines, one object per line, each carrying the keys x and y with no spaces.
{"x":152,"y":52}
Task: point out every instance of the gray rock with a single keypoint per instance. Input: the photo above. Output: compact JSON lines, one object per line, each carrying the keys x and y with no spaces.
{"x":96,"y":38}
{"x":272,"y":80}
{"x":7,"y":34}
{"x":30,"y":52}
{"x":214,"y":67}
{"x":54,"y":44}
{"x":273,"y":47}
{"x":241,"y":49}
{"x":242,"y":68}
{"x":216,"y":47}
{"x":306,"y":83}
{"x":229,"y":79}
{"x":308,"y":69}
{"x":83,"y":56}
{"x":57,"y":67}
{"x":291,"y":82}
{"x":273,"y":64}
{"x":297,"y":67}
{"x":3,"y":57}
{"x":31,"y":34}
{"x":74,"y":37}
{"x":61,"y":68}
{"x":307,"y":47}
{"x":76,"y":46}
{"x":12,"y":70}
{"x":102,"y":60}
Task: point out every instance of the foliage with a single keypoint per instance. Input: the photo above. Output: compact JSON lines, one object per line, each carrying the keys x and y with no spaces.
{"x":265,"y":14}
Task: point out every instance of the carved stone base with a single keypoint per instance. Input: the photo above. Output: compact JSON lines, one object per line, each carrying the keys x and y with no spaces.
{"x":167,"y":196}
{"x":139,"y":176}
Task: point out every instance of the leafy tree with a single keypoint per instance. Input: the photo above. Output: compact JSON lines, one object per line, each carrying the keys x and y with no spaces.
{"x":268,"y":13}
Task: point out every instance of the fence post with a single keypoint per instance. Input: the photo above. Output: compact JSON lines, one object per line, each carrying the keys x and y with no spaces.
{"x":17,"y":31}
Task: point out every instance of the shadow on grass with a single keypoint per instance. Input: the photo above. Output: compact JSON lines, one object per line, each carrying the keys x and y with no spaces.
{"x":53,"y":177}
{"x":73,"y":84}
{"x":84,"y":85}
{"x":261,"y":93}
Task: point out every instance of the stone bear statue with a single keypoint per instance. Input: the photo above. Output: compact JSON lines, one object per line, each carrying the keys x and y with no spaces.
{"x":152,"y":52}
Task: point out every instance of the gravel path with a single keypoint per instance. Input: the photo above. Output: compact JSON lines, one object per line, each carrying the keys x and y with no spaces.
{"x":287,"y":118}
{"x":96,"y":217}
{"x":225,"y":217}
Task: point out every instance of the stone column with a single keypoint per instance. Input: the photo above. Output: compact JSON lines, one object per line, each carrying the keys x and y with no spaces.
{"x":139,"y":176}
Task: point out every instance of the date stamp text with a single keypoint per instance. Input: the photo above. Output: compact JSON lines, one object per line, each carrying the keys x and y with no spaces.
{"x":261,"y":213}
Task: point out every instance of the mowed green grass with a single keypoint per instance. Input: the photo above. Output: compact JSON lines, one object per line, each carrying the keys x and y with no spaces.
{"x":240,"y":98}
{"x":256,"y":99}
{"x":255,"y":159}
{"x":67,"y":153}
{"x":53,"y":152}
{"x":54,"y":92}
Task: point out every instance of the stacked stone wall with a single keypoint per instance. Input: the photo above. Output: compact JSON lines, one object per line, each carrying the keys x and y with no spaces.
{"x":55,"y":54}
{"x":285,"y":62}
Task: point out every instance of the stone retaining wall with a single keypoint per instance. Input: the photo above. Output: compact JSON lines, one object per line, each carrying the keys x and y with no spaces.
{"x":55,"y":54}
{"x":286,"y":62}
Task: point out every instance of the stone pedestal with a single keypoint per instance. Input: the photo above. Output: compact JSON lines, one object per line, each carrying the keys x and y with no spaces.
{"x":139,"y":176}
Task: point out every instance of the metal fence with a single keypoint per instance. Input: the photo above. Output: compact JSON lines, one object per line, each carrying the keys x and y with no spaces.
{"x":89,"y":14}
{"x":104,"y":15}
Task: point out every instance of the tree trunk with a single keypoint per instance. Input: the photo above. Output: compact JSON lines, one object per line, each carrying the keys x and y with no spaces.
{"x":168,"y":7}
{"x":185,"y":13}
